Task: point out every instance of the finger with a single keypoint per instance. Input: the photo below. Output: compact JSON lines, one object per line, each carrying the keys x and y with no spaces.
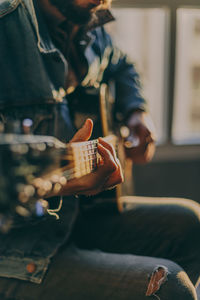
{"x":109,"y":164}
{"x":109,"y":147}
{"x":84,"y":133}
{"x":113,"y":152}
{"x":145,"y":135}
{"x":150,"y":139}
{"x":116,"y":177}
{"x":141,"y":130}
{"x":104,"y":182}
{"x":113,"y":181}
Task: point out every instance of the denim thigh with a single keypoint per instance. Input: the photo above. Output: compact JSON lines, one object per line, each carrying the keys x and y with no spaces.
{"x":77,"y":274}
{"x":161,"y":227}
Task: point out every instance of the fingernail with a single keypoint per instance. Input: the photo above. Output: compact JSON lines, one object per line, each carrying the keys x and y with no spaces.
{"x":87,"y":122}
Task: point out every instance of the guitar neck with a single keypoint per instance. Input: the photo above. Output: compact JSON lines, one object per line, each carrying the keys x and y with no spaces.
{"x":39,"y":166}
{"x":80,"y":159}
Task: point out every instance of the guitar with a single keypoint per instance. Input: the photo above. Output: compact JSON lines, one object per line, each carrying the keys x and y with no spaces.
{"x":39,"y":165}
{"x":33,"y":166}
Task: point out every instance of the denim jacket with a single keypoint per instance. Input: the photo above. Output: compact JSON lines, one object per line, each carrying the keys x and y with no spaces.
{"x":32,"y":83}
{"x":31,"y":86}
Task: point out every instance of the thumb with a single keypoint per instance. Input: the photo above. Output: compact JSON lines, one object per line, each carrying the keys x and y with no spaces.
{"x":84,"y":133}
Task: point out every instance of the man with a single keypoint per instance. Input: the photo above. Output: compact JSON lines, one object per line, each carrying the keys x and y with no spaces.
{"x":122,"y":256}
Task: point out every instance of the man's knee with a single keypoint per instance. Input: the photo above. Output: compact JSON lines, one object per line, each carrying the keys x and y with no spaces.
{"x":177,"y":284}
{"x":192,"y":210}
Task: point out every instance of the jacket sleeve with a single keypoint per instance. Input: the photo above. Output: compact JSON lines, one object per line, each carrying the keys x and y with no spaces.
{"x":127,"y":81}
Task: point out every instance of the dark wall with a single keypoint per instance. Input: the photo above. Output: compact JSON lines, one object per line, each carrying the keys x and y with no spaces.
{"x":168,"y":178}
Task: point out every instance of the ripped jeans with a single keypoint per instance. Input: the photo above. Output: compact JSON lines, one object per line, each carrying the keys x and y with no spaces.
{"x":150,"y":250}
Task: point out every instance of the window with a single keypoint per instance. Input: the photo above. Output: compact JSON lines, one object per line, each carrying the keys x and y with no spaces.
{"x":142,"y":33}
{"x":162,"y":37}
{"x":186,"y":117}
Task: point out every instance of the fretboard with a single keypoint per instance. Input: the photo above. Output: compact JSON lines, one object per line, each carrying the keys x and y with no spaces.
{"x":83,"y":159}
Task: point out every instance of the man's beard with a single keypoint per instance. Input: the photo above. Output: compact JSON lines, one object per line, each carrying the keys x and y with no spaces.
{"x":74,"y":13}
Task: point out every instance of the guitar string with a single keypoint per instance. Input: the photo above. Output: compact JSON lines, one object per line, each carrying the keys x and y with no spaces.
{"x":84,"y":156}
{"x":81,"y":166}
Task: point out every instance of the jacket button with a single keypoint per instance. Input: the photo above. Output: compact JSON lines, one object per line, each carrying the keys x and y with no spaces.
{"x":31,"y":268}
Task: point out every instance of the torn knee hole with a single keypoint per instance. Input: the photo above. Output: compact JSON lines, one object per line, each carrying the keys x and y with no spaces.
{"x":157,"y":278}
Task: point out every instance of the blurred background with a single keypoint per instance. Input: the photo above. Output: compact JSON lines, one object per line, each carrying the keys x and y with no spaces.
{"x":162,"y":38}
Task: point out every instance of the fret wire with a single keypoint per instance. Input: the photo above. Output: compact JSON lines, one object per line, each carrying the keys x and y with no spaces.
{"x":73,"y":165}
{"x":73,"y":175}
{"x":85,"y":148}
{"x":68,"y":173}
{"x":76,"y":169}
{"x":83,"y":162}
{"x":80,"y":157}
{"x":88,"y":161}
{"x":83,"y":153}
{"x":82,"y":146}
{"x":92,"y":143}
{"x":77,"y":152}
{"x":83,"y":143}
{"x":83,"y":159}
{"x":81,"y":149}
